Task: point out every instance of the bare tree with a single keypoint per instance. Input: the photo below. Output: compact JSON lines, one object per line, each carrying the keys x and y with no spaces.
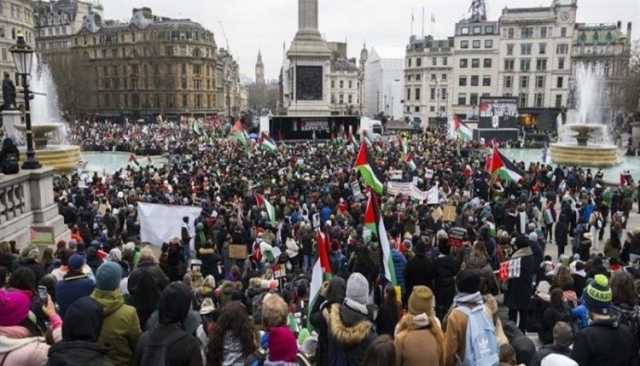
{"x":76,"y":82}
{"x":631,"y":85}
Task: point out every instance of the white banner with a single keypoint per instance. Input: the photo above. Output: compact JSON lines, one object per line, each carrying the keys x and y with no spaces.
{"x":432,"y":196}
{"x":161,"y":223}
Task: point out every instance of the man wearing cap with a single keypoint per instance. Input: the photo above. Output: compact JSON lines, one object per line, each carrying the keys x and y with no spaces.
{"x":604,"y":341}
{"x":74,"y":285}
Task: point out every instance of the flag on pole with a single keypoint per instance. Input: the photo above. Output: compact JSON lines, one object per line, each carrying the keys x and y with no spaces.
{"x":321,"y":268}
{"x":459,"y":130}
{"x":500,"y":166}
{"x":366,"y":171}
{"x":373,"y":221}
{"x":271,"y":211}
{"x":267,"y":143}
{"x":196,"y":128}
{"x":409,"y":160}
{"x":239,"y":134}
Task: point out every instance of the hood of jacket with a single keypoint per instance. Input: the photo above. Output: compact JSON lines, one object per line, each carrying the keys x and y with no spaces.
{"x":175,"y":302}
{"x":350,"y":331}
{"x":111,"y":301}
{"x":76,"y":353}
{"x":86,"y":316}
{"x":522,"y":252}
{"x":8,"y":344}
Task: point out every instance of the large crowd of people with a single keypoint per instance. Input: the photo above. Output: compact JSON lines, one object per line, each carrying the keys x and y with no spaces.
{"x":544,"y":270}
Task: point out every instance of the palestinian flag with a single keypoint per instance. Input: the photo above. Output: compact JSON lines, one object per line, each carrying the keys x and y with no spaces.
{"x":373,"y":221}
{"x":321,"y":270}
{"x":364,"y":168}
{"x":459,"y":130}
{"x":271,"y":211}
{"x":504,"y":168}
{"x":267,"y":143}
{"x":239,"y":134}
{"x":409,"y":160}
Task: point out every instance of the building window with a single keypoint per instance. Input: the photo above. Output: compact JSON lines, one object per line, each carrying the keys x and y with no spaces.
{"x":563,"y":32}
{"x":434,"y":61}
{"x":477,"y":30}
{"x":561,"y":63}
{"x":333,"y":84}
{"x":409,"y":77}
{"x":417,"y":109}
{"x":488,"y":29}
{"x":464,"y":44}
{"x":409,"y":62}
{"x":462,"y":81}
{"x":464,"y":63}
{"x":473,"y":99}
{"x":341,"y":84}
{"x":508,"y":81}
{"x":525,"y":49}
{"x":341,"y":99}
{"x":486,"y":80}
{"x":443,"y":93}
{"x":418,"y":77}
{"x":523,"y":100}
{"x":540,"y":81}
{"x":432,"y":109}
{"x":350,"y":99}
{"x":486,"y":63}
{"x":524,"y":82}
{"x":433,"y":77}
{"x":539,"y":100}
{"x":444,"y":61}
{"x":333,"y":98}
{"x":475,"y":80}
{"x":417,"y":93}
{"x":464,"y":30}
{"x":418,"y":61}
{"x":542,"y":48}
{"x":350,"y":84}
{"x":527,"y":32}
{"x":562,"y":49}
{"x":476,"y":43}
{"x":559,"y":101}
{"x":525,"y":65}
{"x":433,"y":93}
{"x":462,"y":99}
{"x":541,"y":64}
{"x":560,"y":82}
{"x":475,"y":63}
{"x":510,"y":49}
{"x":510,"y":33}
{"x":509,"y":65}
{"x":443,"y":77}
{"x":488,"y":43}
{"x":543,"y":32}
{"x":408,"y":93}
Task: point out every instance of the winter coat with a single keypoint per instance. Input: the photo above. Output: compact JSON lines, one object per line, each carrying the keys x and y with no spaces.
{"x":605,"y":342}
{"x":335,"y":295}
{"x":78,"y":353}
{"x":72,"y":288}
{"x":417,"y":345}
{"x":551,"y":316}
{"x":518,"y":295}
{"x":445,"y":284}
{"x":185,"y":351}
{"x":420,"y":270}
{"x":120,"y":328}
{"x":399,"y":263}
{"x":350,"y":334}
{"x":30,"y":351}
{"x":145,"y":285}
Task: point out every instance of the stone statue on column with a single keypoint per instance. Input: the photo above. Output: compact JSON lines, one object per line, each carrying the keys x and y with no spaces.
{"x":8,"y":93}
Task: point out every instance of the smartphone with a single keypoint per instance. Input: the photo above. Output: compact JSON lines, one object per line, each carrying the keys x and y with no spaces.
{"x":43,"y":294}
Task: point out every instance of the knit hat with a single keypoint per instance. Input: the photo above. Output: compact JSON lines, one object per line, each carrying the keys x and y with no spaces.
{"x":598,"y":295}
{"x":282,"y":345}
{"x":108,"y":276}
{"x":76,"y":262}
{"x":358,"y":289}
{"x":421,"y":301}
{"x":14,"y":306}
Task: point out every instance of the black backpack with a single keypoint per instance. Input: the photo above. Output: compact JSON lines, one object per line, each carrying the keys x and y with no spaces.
{"x":155,"y":354}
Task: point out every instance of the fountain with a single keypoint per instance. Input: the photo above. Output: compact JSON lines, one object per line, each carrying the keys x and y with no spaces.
{"x":49,"y":129}
{"x":585,"y":140}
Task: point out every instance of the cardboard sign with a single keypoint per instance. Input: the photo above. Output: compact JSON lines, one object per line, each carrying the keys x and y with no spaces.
{"x":449,"y":213}
{"x":429,"y":174}
{"x":437,"y":214}
{"x":316,"y":221}
{"x":42,"y":235}
{"x":279,"y":271}
{"x":237,"y":251}
{"x":357,"y":193}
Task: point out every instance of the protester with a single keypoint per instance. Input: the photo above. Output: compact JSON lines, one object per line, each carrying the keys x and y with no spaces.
{"x":74,"y":285}
{"x":381,"y":352}
{"x":558,"y":353}
{"x":234,"y":339}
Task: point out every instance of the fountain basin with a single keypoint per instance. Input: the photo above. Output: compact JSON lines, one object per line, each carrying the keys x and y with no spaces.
{"x":40,"y":132}
{"x":62,"y":158}
{"x":599,"y":156}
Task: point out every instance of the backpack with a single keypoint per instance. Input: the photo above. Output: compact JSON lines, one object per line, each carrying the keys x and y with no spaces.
{"x":155,"y":354}
{"x":481,"y":345}
{"x":630,"y":318}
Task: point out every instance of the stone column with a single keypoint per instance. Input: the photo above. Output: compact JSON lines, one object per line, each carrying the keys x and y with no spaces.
{"x":308,"y":15}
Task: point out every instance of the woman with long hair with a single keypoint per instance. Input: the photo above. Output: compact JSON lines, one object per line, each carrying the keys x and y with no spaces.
{"x":381,"y":352}
{"x":419,"y":337}
{"x":234,"y":338}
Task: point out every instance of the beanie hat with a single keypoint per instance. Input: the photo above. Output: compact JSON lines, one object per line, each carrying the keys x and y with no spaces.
{"x":14,"y":306}
{"x":358,"y":289}
{"x":76,"y":262}
{"x":108,"y":276}
{"x":598,"y":295}
{"x":421,"y":301}
{"x":283,"y":346}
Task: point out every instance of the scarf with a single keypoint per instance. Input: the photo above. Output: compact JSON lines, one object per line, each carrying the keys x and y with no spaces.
{"x":465,"y":298}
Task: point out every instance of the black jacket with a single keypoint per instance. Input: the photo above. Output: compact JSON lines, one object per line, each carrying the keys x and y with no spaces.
{"x":78,"y":353}
{"x":552,"y":315}
{"x":420,"y":271}
{"x":145,"y":285}
{"x":605,"y":342}
{"x":518,"y":295}
{"x":445,"y":283}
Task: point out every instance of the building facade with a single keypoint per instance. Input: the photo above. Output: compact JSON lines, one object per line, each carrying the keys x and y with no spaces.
{"x":344,"y":81}
{"x":260,"y":70}
{"x":56,"y":22}
{"x":149,"y":66}
{"x":16,"y":17}
{"x":383,"y":85}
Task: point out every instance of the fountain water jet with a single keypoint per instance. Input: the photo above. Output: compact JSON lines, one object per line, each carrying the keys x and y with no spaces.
{"x":585,"y":140}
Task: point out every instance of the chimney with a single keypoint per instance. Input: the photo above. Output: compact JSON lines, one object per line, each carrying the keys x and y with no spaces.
{"x":619,"y":25}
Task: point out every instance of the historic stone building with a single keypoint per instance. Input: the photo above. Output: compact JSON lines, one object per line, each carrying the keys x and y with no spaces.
{"x":605,"y":47}
{"x":228,"y":87}
{"x":16,"y":16}
{"x":260,"y":70}
{"x":56,"y":22}
{"x":151,"y":65}
{"x":344,"y":81}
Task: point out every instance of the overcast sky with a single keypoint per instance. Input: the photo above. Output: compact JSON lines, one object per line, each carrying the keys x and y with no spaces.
{"x":385,"y":25}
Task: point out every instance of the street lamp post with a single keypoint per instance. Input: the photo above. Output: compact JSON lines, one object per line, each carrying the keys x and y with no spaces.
{"x":23,"y":56}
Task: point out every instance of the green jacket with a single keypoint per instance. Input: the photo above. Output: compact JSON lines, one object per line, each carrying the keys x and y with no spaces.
{"x":120,"y":328}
